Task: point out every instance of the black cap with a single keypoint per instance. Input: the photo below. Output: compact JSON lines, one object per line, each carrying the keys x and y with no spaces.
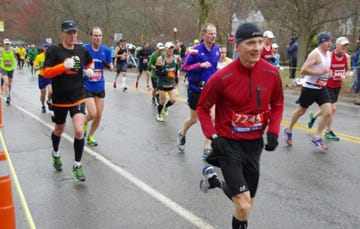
{"x":122,"y":40}
{"x":69,"y":25}
{"x":247,"y":31}
{"x":322,"y":37}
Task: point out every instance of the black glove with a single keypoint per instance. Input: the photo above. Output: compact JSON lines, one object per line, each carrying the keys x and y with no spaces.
{"x":106,"y":64}
{"x":160,"y":70}
{"x":272,"y":142}
{"x":218,"y":146}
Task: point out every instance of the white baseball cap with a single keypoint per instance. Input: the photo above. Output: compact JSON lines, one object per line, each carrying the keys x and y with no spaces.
{"x":342,"y":41}
{"x":7,"y":41}
{"x":275,"y":46}
{"x":268,"y":34}
{"x":160,"y":45}
{"x":169,"y":44}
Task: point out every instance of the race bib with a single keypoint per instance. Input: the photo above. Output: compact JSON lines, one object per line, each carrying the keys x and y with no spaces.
{"x":7,"y":63}
{"x":171,"y":74}
{"x":96,"y":76}
{"x":145,"y":61}
{"x":338,"y":75}
{"x":247,"y":122}
{"x":322,"y":81}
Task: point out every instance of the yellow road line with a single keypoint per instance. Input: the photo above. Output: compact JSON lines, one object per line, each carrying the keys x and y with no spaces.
{"x":342,"y":136}
{"x":300,"y":126}
{"x":18,"y":187}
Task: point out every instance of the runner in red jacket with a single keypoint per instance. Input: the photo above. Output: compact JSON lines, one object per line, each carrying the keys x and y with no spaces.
{"x":248,"y":98}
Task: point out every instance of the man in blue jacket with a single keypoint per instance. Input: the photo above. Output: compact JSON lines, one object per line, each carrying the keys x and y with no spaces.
{"x":200,"y":63}
{"x":356,"y":76}
{"x":292,"y":51}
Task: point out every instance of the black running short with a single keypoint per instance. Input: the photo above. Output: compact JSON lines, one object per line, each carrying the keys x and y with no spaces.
{"x":143,"y":67}
{"x":240,"y":166}
{"x":308,"y":96}
{"x":334,"y":93}
{"x":121,"y":67}
{"x":60,"y":113}
{"x":193,"y":98}
{"x":91,"y":94}
{"x":9,"y":74}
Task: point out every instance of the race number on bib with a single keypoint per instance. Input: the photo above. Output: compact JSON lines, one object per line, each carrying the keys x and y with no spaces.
{"x":96,"y":76}
{"x":247,"y":122}
{"x":7,"y":63}
{"x":338,"y":75}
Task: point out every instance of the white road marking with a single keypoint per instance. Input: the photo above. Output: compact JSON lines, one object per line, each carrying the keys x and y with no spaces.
{"x":189,"y":216}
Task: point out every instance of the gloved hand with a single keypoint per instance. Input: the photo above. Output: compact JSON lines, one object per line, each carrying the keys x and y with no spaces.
{"x":272,"y":142}
{"x":69,"y":63}
{"x":89,"y":72}
{"x":218,"y":145}
{"x":72,"y":63}
{"x":77,"y":65}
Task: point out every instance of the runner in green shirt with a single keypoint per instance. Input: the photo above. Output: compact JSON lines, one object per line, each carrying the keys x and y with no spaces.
{"x":7,"y":67}
{"x":153,"y":58}
{"x":166,"y":69}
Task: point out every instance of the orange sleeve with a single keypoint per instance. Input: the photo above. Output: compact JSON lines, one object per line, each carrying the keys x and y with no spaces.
{"x":51,"y":72}
{"x":90,"y":65}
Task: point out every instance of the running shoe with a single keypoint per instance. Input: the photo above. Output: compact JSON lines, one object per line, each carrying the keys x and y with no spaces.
{"x":124,"y":89}
{"x":78,"y":173}
{"x":137,"y":85}
{"x":43,"y":109}
{"x":57,"y":163}
{"x":153,"y":102}
{"x":48,"y":103}
{"x":318,"y":143}
{"x":91,"y":141}
{"x":181,"y":141}
{"x":206,"y":153}
{"x":288,"y":137}
{"x":208,"y":172}
{"x":8,"y":101}
{"x":114,"y":84}
{"x":159,"y":118}
{"x":331,"y":136}
{"x":311,"y":120}
{"x":85,"y":130}
{"x":165,"y":112}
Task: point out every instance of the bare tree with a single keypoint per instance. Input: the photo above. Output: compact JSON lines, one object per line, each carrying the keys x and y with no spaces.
{"x":154,"y":20}
{"x":305,"y":18}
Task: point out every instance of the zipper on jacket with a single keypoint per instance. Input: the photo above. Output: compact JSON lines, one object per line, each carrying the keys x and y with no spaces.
{"x":258,"y":97}
{"x":249,"y":76}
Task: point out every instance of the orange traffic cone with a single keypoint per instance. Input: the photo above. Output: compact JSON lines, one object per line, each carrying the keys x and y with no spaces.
{"x":7,"y":212}
{"x":1,"y":118}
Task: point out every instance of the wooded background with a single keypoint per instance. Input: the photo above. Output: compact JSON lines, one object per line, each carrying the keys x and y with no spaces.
{"x":154,"y":20}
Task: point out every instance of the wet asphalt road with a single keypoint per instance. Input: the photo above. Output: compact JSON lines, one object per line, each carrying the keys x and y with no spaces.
{"x":136,"y":177}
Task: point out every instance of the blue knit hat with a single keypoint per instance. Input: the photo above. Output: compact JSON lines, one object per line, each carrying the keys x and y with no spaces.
{"x":322,"y":37}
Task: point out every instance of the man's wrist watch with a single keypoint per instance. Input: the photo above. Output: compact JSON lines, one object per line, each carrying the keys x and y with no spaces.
{"x":214,"y":136}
